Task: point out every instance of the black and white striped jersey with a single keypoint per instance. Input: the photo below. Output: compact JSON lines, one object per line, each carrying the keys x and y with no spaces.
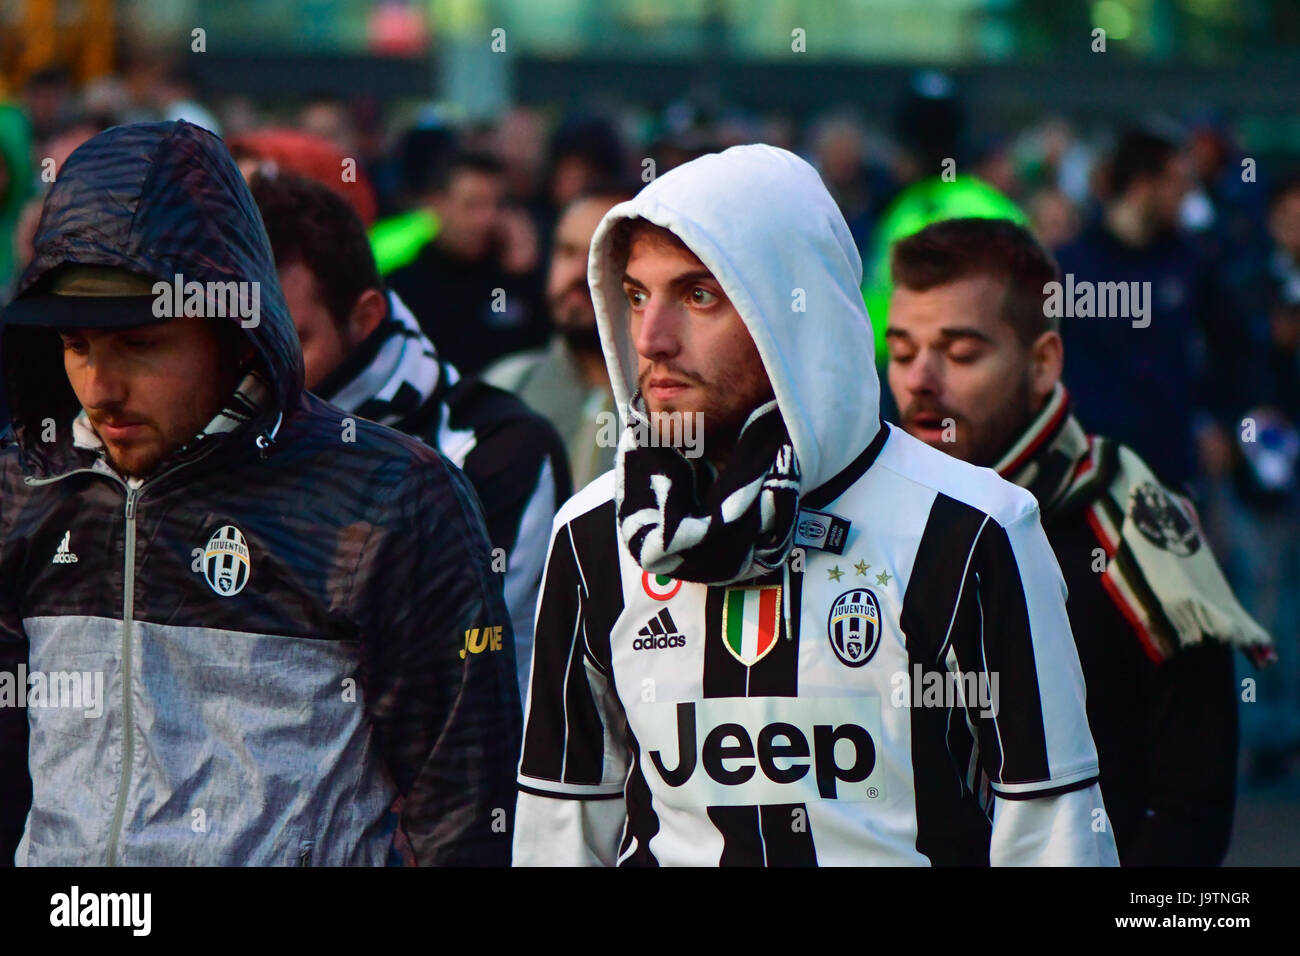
{"x":924,"y":685}
{"x":905,"y":690}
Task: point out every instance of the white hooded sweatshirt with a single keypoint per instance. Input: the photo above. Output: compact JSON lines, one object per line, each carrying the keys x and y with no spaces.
{"x":905,"y":691}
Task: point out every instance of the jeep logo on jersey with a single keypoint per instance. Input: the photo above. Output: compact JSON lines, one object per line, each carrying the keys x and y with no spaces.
{"x":854,"y":626}
{"x":737,"y":751}
{"x":225,"y":561}
{"x":659,"y":586}
{"x":751,"y":622}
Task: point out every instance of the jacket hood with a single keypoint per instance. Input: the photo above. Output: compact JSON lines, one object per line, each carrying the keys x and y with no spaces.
{"x":159,"y":200}
{"x":761,"y":220}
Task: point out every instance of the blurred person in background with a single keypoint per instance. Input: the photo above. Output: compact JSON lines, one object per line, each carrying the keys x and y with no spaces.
{"x":583,"y":150}
{"x":975,"y":364}
{"x":519,"y":142}
{"x":331,"y":121}
{"x":17,"y":183}
{"x":857,"y":186}
{"x":1053,"y":217}
{"x":474,"y":287}
{"x":1149,"y":386}
{"x":567,"y":381}
{"x":49,"y":98}
{"x":930,"y":125}
{"x":1048,"y":156}
{"x":408,"y":224}
{"x":364,"y":352}
{"x":162,"y":87}
{"x":994,"y":163}
{"x":1256,"y":501}
{"x":310,"y":155}
{"x":1225,"y":200}
{"x":929,"y":122}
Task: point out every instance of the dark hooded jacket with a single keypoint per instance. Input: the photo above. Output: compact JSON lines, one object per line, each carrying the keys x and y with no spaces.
{"x":295,"y":624}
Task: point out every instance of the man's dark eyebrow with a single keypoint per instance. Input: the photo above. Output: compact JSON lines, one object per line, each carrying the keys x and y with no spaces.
{"x":686,"y":278}
{"x":958,"y":332}
{"x":965,"y":332}
{"x":694,"y":276}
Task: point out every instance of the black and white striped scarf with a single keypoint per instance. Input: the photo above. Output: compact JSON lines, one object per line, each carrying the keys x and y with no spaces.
{"x":391,"y":376}
{"x":676,"y":521}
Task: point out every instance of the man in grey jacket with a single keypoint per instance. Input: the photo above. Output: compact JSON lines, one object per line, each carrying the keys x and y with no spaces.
{"x":241,"y":624}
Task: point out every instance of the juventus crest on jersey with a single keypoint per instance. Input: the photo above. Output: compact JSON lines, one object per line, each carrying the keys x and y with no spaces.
{"x":904,"y":689}
{"x":920,"y":673}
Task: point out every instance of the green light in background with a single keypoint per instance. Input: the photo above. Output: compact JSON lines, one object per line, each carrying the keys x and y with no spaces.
{"x":1113,"y":17}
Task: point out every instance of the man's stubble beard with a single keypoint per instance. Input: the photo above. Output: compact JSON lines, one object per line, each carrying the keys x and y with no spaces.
{"x":991,"y":440}
{"x":140,"y":464}
{"x":718,"y":424}
{"x":576,"y":324}
{"x":581,"y":338}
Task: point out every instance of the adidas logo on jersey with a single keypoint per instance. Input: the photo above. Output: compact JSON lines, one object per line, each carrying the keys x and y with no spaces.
{"x":660,"y":632}
{"x":64,"y":554}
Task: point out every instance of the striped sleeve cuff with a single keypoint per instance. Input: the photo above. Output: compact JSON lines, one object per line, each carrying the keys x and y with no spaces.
{"x":570,"y":791}
{"x":1078,"y":780}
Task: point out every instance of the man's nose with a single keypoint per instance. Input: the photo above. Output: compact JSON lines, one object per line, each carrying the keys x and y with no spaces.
{"x":921,"y":376}
{"x":659,"y":336}
{"x":103,"y":383}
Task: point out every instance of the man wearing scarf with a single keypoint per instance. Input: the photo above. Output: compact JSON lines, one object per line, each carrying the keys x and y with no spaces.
{"x":781,"y":632}
{"x":364,"y":352}
{"x":975,"y":365}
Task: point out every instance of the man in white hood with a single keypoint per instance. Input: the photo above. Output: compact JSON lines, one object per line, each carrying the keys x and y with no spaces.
{"x":810,"y":639}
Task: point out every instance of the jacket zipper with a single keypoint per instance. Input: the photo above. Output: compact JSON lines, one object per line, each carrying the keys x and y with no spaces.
{"x":128,"y":619}
{"x":128,"y":615}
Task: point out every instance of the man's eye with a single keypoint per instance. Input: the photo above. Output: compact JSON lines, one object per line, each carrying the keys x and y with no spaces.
{"x":76,"y":346}
{"x":636,"y":297}
{"x":702,"y":296}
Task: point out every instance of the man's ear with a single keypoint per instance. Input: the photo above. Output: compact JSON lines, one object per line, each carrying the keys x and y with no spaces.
{"x":368,"y":311}
{"x":1046,"y":362}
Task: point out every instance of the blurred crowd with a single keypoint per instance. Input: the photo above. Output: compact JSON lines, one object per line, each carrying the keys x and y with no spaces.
{"x":482,"y":228}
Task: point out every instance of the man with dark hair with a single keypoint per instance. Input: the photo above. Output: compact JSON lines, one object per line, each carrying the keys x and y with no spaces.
{"x":1138,"y":370}
{"x":333,"y":263}
{"x":267,"y":621}
{"x":474,"y":287}
{"x":739,"y":622}
{"x":567,"y":381}
{"x":1144,"y":160}
{"x":585,"y":151}
{"x":975,"y":365}
{"x":364,"y":351}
